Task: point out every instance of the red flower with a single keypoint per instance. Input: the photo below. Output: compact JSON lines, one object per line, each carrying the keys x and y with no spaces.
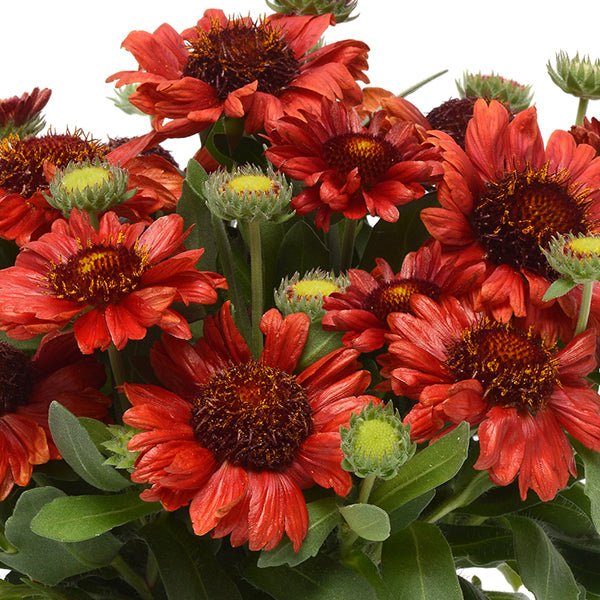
{"x":522,"y":392}
{"x":58,"y":372}
{"x":240,"y":438}
{"x":19,"y":111}
{"x":238,"y":68}
{"x":114,"y":283}
{"x":348,"y":168}
{"x":362,"y":309}
{"x":505,"y":196}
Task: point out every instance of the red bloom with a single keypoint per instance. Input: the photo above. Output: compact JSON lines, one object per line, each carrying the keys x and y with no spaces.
{"x":238,"y":68}
{"x":23,"y":110}
{"x":349,"y":168}
{"x":522,"y":392}
{"x":114,"y":283}
{"x":505,"y":196}
{"x":362,"y":309}
{"x":58,"y":372}
{"x":239,"y":438}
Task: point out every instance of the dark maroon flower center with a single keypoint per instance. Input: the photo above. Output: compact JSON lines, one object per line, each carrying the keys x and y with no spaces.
{"x":228,"y":58}
{"x":98,"y":274}
{"x":16,"y":378}
{"x":515,"y":367}
{"x":253,"y":416}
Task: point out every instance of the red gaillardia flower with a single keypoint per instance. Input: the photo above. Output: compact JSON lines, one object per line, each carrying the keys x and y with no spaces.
{"x":349,"y":168}
{"x":114,"y":283}
{"x":524,"y":393}
{"x":239,"y":438}
{"x":238,"y":68}
{"x":362,"y":309}
{"x":506,"y":195}
{"x":28,"y":385}
{"x":20,"y":115}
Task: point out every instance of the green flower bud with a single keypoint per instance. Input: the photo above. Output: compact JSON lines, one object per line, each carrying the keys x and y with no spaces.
{"x":494,"y":87}
{"x":376,"y":442}
{"x":577,"y":76}
{"x":340,"y":8}
{"x":121,"y":457}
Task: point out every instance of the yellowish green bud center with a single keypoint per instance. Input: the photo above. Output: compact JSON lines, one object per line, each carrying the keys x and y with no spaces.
{"x":376,"y":438}
{"x":257,"y":184}
{"x":310,"y":288}
{"x":587,"y":246}
{"x":79,"y":179}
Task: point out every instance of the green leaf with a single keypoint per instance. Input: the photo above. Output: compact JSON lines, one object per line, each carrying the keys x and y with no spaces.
{"x":543,"y":570}
{"x":49,"y":561}
{"x":187,"y":567}
{"x":362,"y":564}
{"x":318,"y":343}
{"x":79,"y":451}
{"x":591,"y":462}
{"x":560,"y":287}
{"x":368,"y":521}
{"x":506,"y":596}
{"x":78,"y":518}
{"x":400,"y":519}
{"x":479,"y":545}
{"x":319,"y":578}
{"x":417,"y":565}
{"x":323,"y":516}
{"x":471,"y":592}
{"x":426,"y":470}
{"x":301,"y":250}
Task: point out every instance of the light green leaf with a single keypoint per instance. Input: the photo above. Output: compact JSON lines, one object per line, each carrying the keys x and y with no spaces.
{"x":426,"y":470}
{"x":79,"y":451}
{"x":368,"y":521}
{"x":78,"y":518}
{"x":558,"y":288}
{"x":543,"y":570}
{"x":591,"y":463}
{"x":417,"y":565}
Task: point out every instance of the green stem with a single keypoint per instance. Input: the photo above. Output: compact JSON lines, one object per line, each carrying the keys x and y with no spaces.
{"x":230,"y":272}
{"x":349,"y":536}
{"x":581,"y":110}
{"x":365,"y":488}
{"x":584,"y":308}
{"x":118,"y":376}
{"x":5,"y":545}
{"x":256,"y":273}
{"x":131,"y":577}
{"x":350,"y":227}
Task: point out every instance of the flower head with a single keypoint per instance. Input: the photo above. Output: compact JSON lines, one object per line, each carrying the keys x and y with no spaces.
{"x":341,"y":9}
{"x":494,"y":87}
{"x":587,"y":133}
{"x":239,"y":438}
{"x":577,"y":76}
{"x":113,"y":283}
{"x":523,"y":393}
{"x":349,"y":168}
{"x":21,"y":116}
{"x":576,"y":256}
{"x":237,"y":67}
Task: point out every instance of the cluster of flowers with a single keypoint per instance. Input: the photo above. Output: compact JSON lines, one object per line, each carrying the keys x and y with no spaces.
{"x":238,"y":423}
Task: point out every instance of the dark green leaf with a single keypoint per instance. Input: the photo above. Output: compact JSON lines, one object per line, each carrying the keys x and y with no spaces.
{"x":187,"y":567}
{"x":400,"y":519}
{"x":323,"y":516}
{"x":300,"y":251}
{"x":367,"y":520}
{"x":79,"y":451}
{"x":543,"y":570}
{"x":426,"y":470}
{"x":479,"y":546}
{"x":45,"y":560}
{"x":78,"y":518}
{"x":591,"y":461}
{"x":417,"y":565}
{"x":318,"y":344}
{"x":470,"y":592}
{"x":362,"y":564}
{"x":507,"y":596}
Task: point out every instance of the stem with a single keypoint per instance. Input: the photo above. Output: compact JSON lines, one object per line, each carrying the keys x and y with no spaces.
{"x":584,"y":308}
{"x":256,"y":273}
{"x":350,"y":227}
{"x":131,"y":577}
{"x":581,"y":110}
{"x":365,"y":488}
{"x":230,"y":272}
{"x":118,"y":376}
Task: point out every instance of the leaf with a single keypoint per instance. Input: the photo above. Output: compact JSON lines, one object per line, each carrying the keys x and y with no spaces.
{"x":479,"y":545}
{"x":45,"y":560}
{"x":417,"y":565}
{"x":543,"y":570}
{"x":368,"y":521}
{"x":187,"y":567}
{"x":318,"y":343}
{"x":301,"y":250}
{"x":323,"y":516}
{"x":78,"y":518}
{"x":591,"y":462}
{"x":426,"y":470}
{"x":79,"y":451}
{"x":471,"y":592}
{"x":400,"y":519}
{"x":560,"y":287}
{"x":319,"y":578}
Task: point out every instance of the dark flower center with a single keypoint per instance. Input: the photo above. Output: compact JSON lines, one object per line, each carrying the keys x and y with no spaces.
{"x":22,"y":161}
{"x":394,"y":296}
{"x":371,"y":155}
{"x":253,"y":416}
{"x":16,"y":378}
{"x":452,"y":117}
{"x":231,"y":57}
{"x":523,"y":211}
{"x":98,"y":274}
{"x":515,"y":367}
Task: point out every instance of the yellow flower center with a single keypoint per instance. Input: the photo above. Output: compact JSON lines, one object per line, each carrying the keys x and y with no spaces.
{"x":311,"y":288}
{"x":88,"y":176}
{"x":252,"y":415}
{"x":376,"y":439}
{"x":98,"y":274}
{"x":256,"y":184}
{"x":585,"y":246}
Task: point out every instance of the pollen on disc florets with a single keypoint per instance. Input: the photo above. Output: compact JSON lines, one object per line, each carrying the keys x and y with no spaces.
{"x":376,"y":442}
{"x":90,"y":186}
{"x":249,"y":194}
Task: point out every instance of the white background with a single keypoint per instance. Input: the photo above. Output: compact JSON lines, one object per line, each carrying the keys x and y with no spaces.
{"x":73,"y":46}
